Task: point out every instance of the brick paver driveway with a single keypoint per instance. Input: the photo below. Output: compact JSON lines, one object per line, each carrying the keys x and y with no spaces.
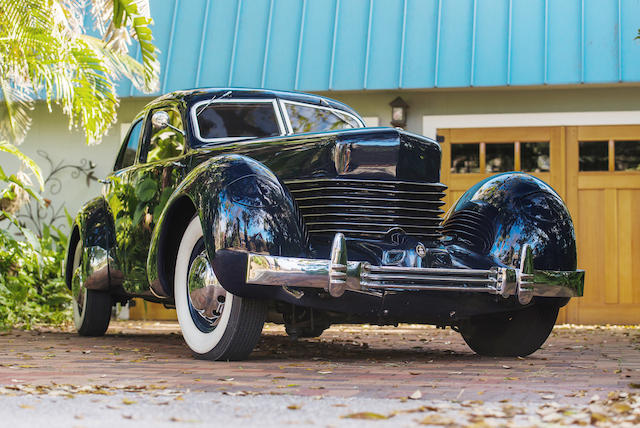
{"x":364,"y":361}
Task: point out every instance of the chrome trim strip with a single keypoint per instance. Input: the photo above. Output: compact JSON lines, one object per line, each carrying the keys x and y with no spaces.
{"x":372,"y":232}
{"x":337,"y":223}
{"x":337,"y":275}
{"x":419,"y":277}
{"x":357,"y":180}
{"x":390,"y":216}
{"x":400,"y":287}
{"x":373,"y":207}
{"x":442,"y":271}
{"x":370,"y":198}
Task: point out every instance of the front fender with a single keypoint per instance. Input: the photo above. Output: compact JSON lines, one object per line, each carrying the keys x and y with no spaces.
{"x":500,"y":214}
{"x":94,"y":227}
{"x":243,"y":208}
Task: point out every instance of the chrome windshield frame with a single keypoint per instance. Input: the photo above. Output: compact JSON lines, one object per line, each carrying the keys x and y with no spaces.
{"x":196,"y":129}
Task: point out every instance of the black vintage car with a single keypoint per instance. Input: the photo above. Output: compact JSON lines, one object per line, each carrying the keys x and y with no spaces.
{"x":238,"y":205}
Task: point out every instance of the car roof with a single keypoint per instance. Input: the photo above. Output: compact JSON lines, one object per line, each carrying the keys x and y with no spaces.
{"x":192,"y":96}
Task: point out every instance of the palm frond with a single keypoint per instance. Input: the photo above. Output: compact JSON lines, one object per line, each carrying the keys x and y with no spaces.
{"x":15,"y":103}
{"x":26,"y":160}
{"x":136,"y":14}
{"x":121,"y":64}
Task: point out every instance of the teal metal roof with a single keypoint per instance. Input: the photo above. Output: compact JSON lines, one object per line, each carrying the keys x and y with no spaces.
{"x":319,"y":45}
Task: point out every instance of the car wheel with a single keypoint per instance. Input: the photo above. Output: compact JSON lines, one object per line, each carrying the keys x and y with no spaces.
{"x":215,"y":324}
{"x":91,"y":308}
{"x":514,"y":334}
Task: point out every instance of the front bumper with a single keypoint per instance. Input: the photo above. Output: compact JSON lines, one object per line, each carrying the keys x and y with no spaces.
{"x":338,"y":274}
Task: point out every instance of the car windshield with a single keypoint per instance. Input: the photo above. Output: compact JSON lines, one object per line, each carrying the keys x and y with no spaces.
{"x":308,"y":118}
{"x":237,"y":119}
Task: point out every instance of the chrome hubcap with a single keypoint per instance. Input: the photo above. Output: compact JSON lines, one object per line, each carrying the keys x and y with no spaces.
{"x":206,"y":295}
{"x":77,"y":289}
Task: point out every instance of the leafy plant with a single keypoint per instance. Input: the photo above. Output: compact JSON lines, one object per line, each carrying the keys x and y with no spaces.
{"x":32,"y":289}
{"x":46,"y":53}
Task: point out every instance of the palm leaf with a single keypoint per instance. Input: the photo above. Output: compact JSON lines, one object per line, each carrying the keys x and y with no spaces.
{"x":121,"y":64}
{"x":14,"y":107}
{"x":132,"y":12}
{"x":26,"y":160}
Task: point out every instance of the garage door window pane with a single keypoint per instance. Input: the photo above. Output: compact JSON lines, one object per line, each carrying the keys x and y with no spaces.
{"x":499,"y":157}
{"x":594,"y":155}
{"x":627,"y":155}
{"x":534,"y":157}
{"x":465,"y":158}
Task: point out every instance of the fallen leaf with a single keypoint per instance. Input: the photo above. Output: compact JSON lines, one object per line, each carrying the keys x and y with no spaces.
{"x":437,"y":420}
{"x":416,"y":395}
{"x":128,"y":402}
{"x":621,"y":407}
{"x":598,"y":417}
{"x":365,"y":415}
{"x":26,"y":406}
{"x":293,"y":407}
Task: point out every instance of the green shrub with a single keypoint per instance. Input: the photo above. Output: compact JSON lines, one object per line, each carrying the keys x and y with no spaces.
{"x":32,"y":288}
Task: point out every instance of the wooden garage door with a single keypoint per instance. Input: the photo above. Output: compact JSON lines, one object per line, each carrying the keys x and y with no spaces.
{"x":597,"y":172}
{"x":470,"y":155}
{"x":603,"y":183}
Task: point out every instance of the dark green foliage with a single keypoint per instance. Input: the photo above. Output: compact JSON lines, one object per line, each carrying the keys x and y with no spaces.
{"x":32,"y":289}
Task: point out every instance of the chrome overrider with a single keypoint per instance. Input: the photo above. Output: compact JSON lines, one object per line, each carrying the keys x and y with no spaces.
{"x":338,"y":274}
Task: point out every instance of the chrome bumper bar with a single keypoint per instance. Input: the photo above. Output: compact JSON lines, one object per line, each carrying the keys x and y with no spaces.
{"x":338,"y":274}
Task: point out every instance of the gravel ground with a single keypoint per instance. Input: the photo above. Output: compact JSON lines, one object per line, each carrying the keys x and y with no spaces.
{"x":172,"y":409}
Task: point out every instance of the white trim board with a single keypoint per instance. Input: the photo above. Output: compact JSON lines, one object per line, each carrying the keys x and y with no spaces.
{"x":431,"y":123}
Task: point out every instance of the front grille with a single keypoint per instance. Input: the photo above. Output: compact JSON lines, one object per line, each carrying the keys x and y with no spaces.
{"x":368,"y":209}
{"x":471,"y":228}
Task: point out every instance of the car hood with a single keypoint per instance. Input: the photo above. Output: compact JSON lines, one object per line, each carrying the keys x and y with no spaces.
{"x":366,"y":153}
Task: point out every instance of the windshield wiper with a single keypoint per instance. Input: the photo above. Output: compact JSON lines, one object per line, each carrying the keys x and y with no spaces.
{"x":225,"y":95}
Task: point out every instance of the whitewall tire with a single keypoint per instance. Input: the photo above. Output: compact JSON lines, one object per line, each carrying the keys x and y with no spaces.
{"x":215,"y":324}
{"x":91,"y":308}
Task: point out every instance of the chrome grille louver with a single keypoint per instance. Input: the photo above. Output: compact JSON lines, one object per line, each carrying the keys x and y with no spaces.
{"x":472,"y":228}
{"x":368,"y":209}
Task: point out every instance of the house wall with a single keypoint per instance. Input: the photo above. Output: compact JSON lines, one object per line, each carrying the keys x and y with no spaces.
{"x":491,"y":101}
{"x":51,"y":139}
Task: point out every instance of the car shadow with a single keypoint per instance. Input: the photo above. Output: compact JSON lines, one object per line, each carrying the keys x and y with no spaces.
{"x":278,"y":347}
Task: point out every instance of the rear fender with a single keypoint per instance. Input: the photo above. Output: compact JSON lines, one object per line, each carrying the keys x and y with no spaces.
{"x":243,"y":208}
{"x":94,"y":227}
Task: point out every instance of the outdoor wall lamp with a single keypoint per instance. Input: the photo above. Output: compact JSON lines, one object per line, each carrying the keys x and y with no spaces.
{"x":399,"y":112}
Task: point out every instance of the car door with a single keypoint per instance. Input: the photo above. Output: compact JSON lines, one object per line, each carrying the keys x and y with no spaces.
{"x":119,"y":196}
{"x":160,"y":168}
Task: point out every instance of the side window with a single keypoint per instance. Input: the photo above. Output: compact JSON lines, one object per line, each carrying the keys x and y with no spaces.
{"x":164,"y":143}
{"x":307,"y":118}
{"x":127,"y":155}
